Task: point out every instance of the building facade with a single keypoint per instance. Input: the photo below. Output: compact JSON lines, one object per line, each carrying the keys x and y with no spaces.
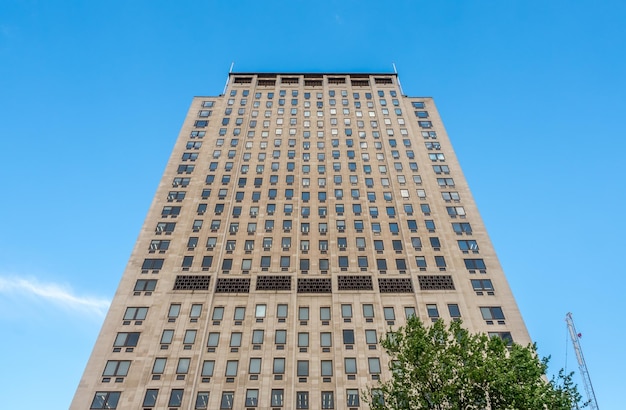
{"x":299,"y":219}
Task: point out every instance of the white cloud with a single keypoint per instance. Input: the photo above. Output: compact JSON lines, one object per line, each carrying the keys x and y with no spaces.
{"x":54,"y":294}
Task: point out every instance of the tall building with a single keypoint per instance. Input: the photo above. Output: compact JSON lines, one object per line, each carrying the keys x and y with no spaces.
{"x":300,"y":218}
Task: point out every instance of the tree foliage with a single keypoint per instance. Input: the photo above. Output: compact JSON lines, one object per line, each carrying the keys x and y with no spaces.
{"x":445,"y":367}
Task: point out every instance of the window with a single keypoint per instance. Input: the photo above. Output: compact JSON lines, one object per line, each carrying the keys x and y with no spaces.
{"x":468,"y":245}
{"x":280,"y":337}
{"x":440,"y":262}
{"x":159,"y":365}
{"x":492,"y":313}
{"x":152,"y":264}
{"x":326,"y":368}
{"x":227,"y":400}
{"x":462,"y":228}
{"x":324,"y":313}
{"x":202,"y":400}
{"x":420,"y":261}
{"x":451,"y":196}
{"x":231,"y":368}
{"x":480,"y":285}
{"x":167,"y":336}
{"x":352,"y":396}
{"x":409,"y":312}
{"x":218,"y":313}
{"x":303,"y":339}
{"x":252,"y":397}
{"x":302,"y":400}
{"x":277,"y":397}
{"x":374,"y":365}
{"x":196,"y":311}
{"x":326,"y":339}
{"x":149,"y":400}
{"x":343,"y":261}
{"x":302,"y":368}
{"x":362,"y":261}
{"x":235,"y":339}
{"x":389,"y":313}
{"x":432,"y":311}
{"x":281,"y":312}
{"x":370,"y":337}
{"x":116,"y":368}
{"x":126,"y":339}
{"x":260,"y":311}
{"x":279,"y":365}
{"x":328,"y":400}
{"x":350,"y":365}
{"x":454,"y":211}
{"x":348,"y":336}
{"x":105,"y":400}
{"x":135,"y":313}
{"x":190,"y":337}
{"x":255,"y":365}
{"x":258,"y":336}
{"x":454,"y":311}
{"x":475,"y":264}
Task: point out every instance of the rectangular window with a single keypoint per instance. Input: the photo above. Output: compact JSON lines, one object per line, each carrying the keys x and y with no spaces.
{"x":255,"y":365}
{"x":231,"y":368}
{"x":105,"y":400}
{"x":149,"y":400}
{"x":277,"y":397}
{"x":279,"y":365}
{"x":326,"y":368}
{"x":370,"y":337}
{"x":202,"y":400}
{"x":227,"y":400}
{"x":454,"y":311}
{"x":492,"y":313}
{"x":374,"y":365}
{"x":328,"y":400}
{"x":352,"y":396}
{"x":302,"y":400}
{"x":252,"y":397}
{"x":280,"y":337}
{"x":116,"y":368}
{"x":326,"y":339}
{"x":303,"y":368}
{"x":433,"y":311}
{"x":126,"y":339}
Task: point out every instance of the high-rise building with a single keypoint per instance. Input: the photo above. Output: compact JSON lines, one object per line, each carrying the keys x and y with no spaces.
{"x":300,"y":218}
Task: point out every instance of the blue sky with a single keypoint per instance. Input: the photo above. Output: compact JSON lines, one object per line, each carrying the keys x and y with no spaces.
{"x":92,"y":95}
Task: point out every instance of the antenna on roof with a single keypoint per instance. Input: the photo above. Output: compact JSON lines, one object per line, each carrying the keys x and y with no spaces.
{"x":395,"y":70}
{"x":228,"y":79}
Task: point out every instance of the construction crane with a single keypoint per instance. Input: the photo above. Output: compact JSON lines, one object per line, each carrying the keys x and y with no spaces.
{"x":591,"y":396}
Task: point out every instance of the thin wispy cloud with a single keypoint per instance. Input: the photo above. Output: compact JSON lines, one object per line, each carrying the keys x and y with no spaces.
{"x":53,"y":293}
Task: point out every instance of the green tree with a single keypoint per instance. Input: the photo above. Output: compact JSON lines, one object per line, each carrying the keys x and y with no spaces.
{"x":448,"y":368}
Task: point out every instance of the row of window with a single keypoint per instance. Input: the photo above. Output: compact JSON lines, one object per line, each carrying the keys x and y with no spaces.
{"x":465,"y":245}
{"x":131,"y":339}
{"x":111,"y":399}
{"x":292,"y":142}
{"x":322,"y":227}
{"x":307,"y":95}
{"x":305,"y":211}
{"x":306,"y":156}
{"x":343,"y":262}
{"x":260,"y":311}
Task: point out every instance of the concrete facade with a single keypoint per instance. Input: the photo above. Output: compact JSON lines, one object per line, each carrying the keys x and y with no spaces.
{"x":300,"y":218}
